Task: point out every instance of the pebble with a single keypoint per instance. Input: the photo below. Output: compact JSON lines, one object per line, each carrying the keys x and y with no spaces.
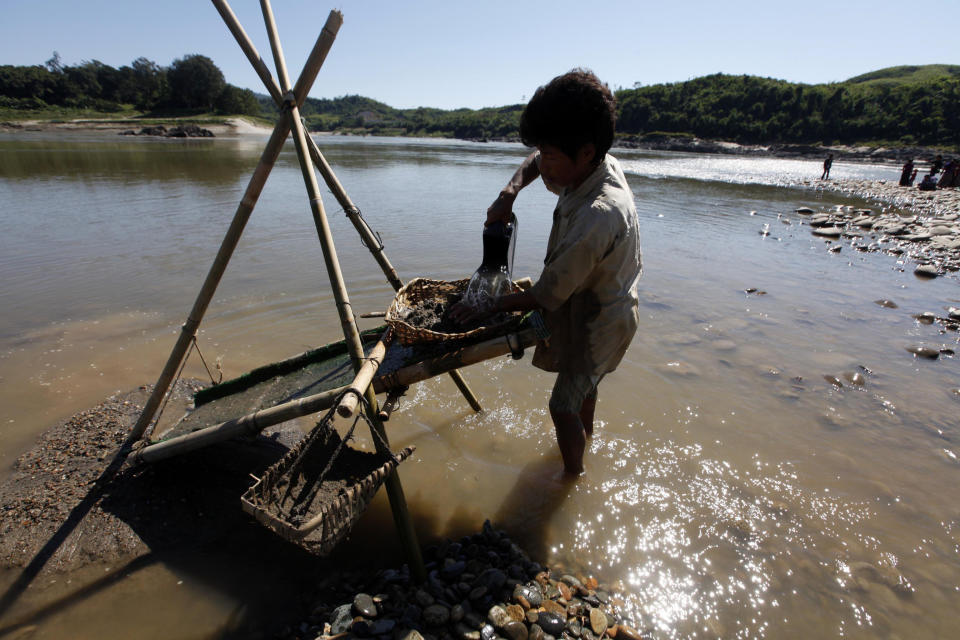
{"x":341,"y":619}
{"x":927,"y":271}
{"x":552,"y":623}
{"x":515,"y":612}
{"x":498,"y":616}
{"x":436,"y":615}
{"x":924,"y":352}
{"x":551,"y":606}
{"x":828,"y":232}
{"x":598,"y":621}
{"x":515,"y":630}
{"x":363,"y":605}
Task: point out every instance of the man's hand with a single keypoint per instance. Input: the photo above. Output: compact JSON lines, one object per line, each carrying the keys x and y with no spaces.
{"x":465,"y":313}
{"x":501,"y":209}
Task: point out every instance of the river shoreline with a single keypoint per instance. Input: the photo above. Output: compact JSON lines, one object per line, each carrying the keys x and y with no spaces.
{"x":234,"y":126}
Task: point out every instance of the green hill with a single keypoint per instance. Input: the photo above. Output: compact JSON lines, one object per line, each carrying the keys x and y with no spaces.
{"x":908,"y":74}
{"x":900,"y":105}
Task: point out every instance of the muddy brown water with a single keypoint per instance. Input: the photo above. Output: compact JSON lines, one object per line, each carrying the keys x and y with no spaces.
{"x":774,"y":465}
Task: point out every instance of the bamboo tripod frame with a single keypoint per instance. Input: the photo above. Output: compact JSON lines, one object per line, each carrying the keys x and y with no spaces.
{"x":290,"y":99}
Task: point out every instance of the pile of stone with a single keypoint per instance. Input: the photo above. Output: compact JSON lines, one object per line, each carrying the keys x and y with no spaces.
{"x":927,"y":231}
{"x":181,"y":131}
{"x":483,"y":587}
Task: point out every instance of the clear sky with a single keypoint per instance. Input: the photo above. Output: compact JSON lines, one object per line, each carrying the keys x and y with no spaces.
{"x":451,"y":54}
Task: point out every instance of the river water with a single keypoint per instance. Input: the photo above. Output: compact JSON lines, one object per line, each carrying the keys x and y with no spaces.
{"x":739,"y":483}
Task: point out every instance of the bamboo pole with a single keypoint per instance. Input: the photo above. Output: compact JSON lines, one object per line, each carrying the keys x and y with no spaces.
{"x":398,"y":503}
{"x":364,"y":377}
{"x":247,"y":46}
{"x":244,"y":209}
{"x":353,"y":213}
{"x":257,"y":421}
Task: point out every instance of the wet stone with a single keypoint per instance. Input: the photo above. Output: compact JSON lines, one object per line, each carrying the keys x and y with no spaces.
{"x":436,"y":615}
{"x":574,"y":627}
{"x":551,"y":606}
{"x":382,"y":627}
{"x":363,"y":605}
{"x":552,"y":623}
{"x":423,"y":598}
{"x":534,"y":595}
{"x":411,"y":614}
{"x":463,"y":632}
{"x":535,"y":632}
{"x":493,"y":579}
{"x":533,"y":614}
{"x":498,"y":616}
{"x":515,"y":612}
{"x":927,"y":271}
{"x":478,"y":593}
{"x":598,"y":621}
{"x":855,"y":378}
{"x":922,"y":351}
{"x":515,"y":630}
{"x":487,"y":632}
{"x":886,"y":304}
{"x":341,"y":619}
{"x":453,"y":570}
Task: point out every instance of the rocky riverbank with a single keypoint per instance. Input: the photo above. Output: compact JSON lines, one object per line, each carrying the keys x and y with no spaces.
{"x":691,"y":144}
{"x":923,"y":226}
{"x":481,"y":587}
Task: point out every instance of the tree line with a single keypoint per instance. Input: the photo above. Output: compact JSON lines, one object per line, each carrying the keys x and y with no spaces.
{"x":749,"y":109}
{"x":899,"y":105}
{"x":190,"y":83}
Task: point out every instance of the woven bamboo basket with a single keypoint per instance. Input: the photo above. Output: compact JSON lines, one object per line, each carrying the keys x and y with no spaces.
{"x":422,"y":291}
{"x":327,"y":523}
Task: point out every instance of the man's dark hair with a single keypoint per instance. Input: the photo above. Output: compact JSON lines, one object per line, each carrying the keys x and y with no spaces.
{"x":570,"y":111}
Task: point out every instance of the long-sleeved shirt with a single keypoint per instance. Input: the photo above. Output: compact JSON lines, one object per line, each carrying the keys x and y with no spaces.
{"x":588,"y":287}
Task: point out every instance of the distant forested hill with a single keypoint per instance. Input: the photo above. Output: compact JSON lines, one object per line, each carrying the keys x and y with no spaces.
{"x":906,"y":105}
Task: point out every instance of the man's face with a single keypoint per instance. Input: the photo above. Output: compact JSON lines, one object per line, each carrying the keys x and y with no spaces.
{"x":559,"y":169}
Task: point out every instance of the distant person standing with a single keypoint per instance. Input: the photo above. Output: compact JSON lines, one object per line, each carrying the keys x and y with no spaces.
{"x":905,"y":174}
{"x":951,"y":175}
{"x":936,"y":165}
{"x":826,"y":167}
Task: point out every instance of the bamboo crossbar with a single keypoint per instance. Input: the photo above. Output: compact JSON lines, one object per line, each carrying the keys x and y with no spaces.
{"x":364,"y":377}
{"x":257,"y":421}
